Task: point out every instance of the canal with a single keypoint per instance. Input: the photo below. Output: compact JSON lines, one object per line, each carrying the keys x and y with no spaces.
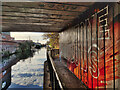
{"x":27,"y":73}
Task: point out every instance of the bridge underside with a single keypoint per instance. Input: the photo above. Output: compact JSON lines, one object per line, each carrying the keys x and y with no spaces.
{"x":40,"y":16}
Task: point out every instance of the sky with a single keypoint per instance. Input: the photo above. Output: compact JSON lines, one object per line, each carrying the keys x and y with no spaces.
{"x":35,"y":36}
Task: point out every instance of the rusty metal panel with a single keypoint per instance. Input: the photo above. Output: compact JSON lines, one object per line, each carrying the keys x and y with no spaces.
{"x":92,"y":48}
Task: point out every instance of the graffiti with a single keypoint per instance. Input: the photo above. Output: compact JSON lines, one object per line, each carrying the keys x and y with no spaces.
{"x":58,"y":6}
{"x":92,"y":61}
{"x":103,"y":23}
{"x":93,"y":57}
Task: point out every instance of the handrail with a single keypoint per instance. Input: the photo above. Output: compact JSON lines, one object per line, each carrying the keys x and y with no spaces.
{"x":53,"y":66}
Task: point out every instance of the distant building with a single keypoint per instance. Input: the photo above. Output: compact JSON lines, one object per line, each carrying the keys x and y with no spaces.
{"x":6,"y":33}
{"x":7,"y":43}
{"x":21,"y":41}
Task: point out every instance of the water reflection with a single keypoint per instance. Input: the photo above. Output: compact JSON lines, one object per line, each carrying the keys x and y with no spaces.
{"x":5,"y":79}
{"x":24,"y":72}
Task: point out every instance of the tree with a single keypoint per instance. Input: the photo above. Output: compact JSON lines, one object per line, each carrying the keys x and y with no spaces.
{"x":26,"y":45}
{"x":53,"y":39}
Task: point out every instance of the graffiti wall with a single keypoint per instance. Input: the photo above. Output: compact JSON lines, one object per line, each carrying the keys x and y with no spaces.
{"x":91,"y":48}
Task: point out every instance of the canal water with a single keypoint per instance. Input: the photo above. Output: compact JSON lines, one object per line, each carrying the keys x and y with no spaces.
{"x":28,"y":73}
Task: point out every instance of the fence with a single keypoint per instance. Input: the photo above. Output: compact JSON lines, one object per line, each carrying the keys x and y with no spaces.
{"x":55,"y":82}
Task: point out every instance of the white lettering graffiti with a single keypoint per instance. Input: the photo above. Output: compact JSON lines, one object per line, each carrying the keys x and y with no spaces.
{"x":92,"y":60}
{"x":102,"y":17}
{"x":103,"y":23}
{"x":103,"y":27}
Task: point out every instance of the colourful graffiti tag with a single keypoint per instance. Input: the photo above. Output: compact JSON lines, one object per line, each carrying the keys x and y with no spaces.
{"x":94,"y":58}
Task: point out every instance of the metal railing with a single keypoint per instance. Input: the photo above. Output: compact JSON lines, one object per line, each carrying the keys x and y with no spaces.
{"x":54,"y":79}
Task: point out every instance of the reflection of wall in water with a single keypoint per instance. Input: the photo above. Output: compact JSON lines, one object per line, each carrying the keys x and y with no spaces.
{"x":6,"y":79}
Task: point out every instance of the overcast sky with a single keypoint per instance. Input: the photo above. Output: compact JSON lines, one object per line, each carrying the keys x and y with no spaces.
{"x":35,"y":36}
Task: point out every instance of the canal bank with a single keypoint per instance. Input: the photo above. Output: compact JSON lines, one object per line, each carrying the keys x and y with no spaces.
{"x":26,"y":73}
{"x":29,"y":73}
{"x":57,"y":75}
